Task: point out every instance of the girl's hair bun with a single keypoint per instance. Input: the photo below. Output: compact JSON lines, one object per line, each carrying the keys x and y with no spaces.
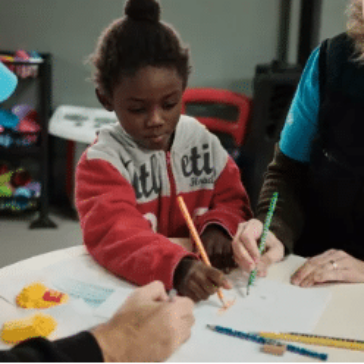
{"x":143,"y":10}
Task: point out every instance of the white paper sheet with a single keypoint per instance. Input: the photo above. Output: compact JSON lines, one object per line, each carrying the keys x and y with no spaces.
{"x":271,"y":306}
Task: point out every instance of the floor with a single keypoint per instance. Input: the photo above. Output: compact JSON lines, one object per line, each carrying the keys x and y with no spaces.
{"x":18,"y":242}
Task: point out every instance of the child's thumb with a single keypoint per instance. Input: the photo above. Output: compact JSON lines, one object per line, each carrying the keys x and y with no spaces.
{"x":227,"y":284}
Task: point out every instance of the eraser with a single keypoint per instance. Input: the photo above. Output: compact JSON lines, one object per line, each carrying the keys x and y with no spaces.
{"x":274,"y":349}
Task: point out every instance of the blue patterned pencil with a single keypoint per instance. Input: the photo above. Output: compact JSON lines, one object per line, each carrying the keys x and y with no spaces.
{"x":262,"y":340}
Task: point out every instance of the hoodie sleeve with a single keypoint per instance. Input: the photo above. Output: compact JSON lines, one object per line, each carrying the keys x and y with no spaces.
{"x":230,"y":203}
{"x":81,"y":347}
{"x":115,"y":233}
{"x":289,"y":178}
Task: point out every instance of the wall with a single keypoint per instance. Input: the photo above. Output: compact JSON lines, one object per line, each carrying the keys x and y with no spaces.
{"x":333,"y":18}
{"x":227,"y":38}
{"x":333,"y":21}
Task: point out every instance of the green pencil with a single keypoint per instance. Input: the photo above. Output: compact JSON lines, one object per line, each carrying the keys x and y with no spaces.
{"x":263,"y":238}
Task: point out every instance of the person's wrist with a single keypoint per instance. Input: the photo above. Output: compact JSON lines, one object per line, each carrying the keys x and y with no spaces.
{"x":361,"y":268}
{"x":101,"y":334}
{"x":181,"y":271}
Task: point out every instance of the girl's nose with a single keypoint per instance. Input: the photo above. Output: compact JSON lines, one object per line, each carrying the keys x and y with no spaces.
{"x":155,"y":118}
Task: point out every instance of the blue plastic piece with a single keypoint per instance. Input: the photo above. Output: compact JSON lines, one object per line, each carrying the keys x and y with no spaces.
{"x":8,"y":82}
{"x":8,"y":119}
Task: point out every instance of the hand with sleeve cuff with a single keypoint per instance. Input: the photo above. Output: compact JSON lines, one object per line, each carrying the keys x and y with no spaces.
{"x":245,"y":246}
{"x":218,"y":246}
{"x":196,"y":280}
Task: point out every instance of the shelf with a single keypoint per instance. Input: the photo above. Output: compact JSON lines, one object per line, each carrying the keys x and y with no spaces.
{"x":41,"y":73}
{"x":18,"y":205}
{"x":31,"y":152}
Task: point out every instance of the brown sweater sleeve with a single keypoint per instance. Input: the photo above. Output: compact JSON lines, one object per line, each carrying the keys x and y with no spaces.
{"x":288,"y":177}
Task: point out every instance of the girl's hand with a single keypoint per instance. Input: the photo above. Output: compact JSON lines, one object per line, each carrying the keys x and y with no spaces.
{"x":246,"y":252}
{"x":330,"y":266}
{"x":199,"y":281}
{"x":217,"y":243}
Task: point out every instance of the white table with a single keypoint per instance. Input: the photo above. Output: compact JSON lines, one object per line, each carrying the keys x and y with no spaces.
{"x":344,"y":316}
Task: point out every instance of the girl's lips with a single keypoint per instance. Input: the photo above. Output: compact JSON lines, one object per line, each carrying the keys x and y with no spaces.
{"x":157,"y":139}
{"x":156,"y":142}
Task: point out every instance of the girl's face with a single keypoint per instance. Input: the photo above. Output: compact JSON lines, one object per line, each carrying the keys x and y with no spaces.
{"x":148,"y":105}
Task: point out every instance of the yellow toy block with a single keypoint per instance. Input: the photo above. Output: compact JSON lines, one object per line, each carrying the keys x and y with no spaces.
{"x":19,"y":330}
{"x":37,"y":295}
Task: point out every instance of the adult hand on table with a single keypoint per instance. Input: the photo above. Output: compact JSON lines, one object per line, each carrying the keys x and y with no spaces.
{"x":330,"y":266}
{"x":148,"y":327}
{"x":218,"y":246}
{"x":246,"y":252}
{"x":196,"y":280}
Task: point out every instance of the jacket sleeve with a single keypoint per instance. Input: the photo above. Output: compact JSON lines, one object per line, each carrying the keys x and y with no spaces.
{"x":230,"y":204}
{"x":114,"y":231}
{"x":81,"y":347}
{"x":287,"y":177}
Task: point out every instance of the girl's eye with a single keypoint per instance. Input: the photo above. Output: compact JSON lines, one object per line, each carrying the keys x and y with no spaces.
{"x":137,"y":111}
{"x":169,"y":106}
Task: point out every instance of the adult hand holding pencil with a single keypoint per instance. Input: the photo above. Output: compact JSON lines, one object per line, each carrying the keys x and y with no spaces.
{"x":246,"y":246}
{"x":266,"y":227}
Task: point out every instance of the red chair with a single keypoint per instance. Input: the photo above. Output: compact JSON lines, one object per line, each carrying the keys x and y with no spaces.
{"x":223,"y":112}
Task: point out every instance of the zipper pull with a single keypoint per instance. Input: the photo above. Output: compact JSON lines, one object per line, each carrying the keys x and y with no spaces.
{"x":168,"y":158}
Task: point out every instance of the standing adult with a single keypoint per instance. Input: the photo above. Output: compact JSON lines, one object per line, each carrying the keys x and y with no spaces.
{"x":318,"y":169}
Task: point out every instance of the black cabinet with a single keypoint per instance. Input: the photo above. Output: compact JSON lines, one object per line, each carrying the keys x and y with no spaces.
{"x":36,"y":154}
{"x":274,"y":87}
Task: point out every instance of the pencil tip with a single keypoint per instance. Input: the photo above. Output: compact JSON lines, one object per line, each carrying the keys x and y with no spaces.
{"x":210,"y":327}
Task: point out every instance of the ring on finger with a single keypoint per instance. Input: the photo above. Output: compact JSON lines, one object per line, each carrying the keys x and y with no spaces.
{"x":334,"y":264}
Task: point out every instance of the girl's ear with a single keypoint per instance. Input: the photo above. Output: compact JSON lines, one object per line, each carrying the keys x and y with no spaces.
{"x":104,"y":100}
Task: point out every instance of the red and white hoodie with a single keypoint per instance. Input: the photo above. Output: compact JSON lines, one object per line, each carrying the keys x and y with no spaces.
{"x":126,"y":198}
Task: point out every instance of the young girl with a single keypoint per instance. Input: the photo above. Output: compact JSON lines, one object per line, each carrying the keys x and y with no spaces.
{"x":127,"y":182}
{"x":318,"y":168}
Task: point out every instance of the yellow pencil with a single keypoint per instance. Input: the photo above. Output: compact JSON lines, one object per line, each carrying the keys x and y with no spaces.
{"x":316,"y":340}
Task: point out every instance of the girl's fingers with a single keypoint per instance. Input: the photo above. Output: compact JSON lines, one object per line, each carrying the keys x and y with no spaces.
{"x":228,"y":258}
{"x":198,"y":293}
{"x":227,"y":284}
